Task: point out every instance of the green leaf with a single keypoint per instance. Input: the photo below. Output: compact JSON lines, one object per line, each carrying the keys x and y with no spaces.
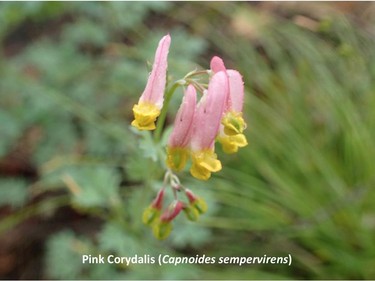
{"x":114,"y":238}
{"x":125,"y":15}
{"x":189,"y":234}
{"x":13,"y":192}
{"x":85,"y":31}
{"x":96,"y":186}
{"x":11,"y":129}
{"x":64,"y":256}
{"x":57,"y":140}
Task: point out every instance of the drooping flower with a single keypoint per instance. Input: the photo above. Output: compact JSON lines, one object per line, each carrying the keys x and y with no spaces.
{"x":232,"y":120}
{"x":163,"y":227}
{"x":197,"y":202}
{"x":172,"y":211}
{"x":232,"y":124}
{"x":151,"y":100}
{"x":206,"y":127}
{"x":177,"y":149}
{"x":152,"y":212}
{"x":196,"y":206}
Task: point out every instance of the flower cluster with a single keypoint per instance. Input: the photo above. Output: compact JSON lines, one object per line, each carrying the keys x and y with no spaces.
{"x":216,"y":116}
{"x":161,"y":220}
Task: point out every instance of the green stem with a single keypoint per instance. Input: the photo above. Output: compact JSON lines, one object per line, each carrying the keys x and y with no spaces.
{"x":33,"y":210}
{"x":163,"y":114}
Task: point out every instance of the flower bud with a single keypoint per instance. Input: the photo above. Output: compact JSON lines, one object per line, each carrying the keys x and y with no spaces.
{"x":191,"y":213}
{"x":190,"y":195}
{"x":158,"y":201}
{"x":152,"y":212}
{"x":162,"y":229}
{"x":200,"y":205}
{"x":173,"y":210}
{"x":196,"y":202}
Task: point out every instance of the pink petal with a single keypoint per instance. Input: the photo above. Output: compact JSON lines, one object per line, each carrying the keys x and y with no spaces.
{"x":236,"y":90}
{"x":209,"y":113}
{"x":217,"y":64}
{"x":154,"y":91}
{"x":182,"y":129}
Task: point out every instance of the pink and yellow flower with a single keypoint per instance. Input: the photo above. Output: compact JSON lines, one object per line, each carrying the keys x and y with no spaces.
{"x":206,"y":127}
{"x":178,"y":144}
{"x":232,"y":124}
{"x":151,"y":100}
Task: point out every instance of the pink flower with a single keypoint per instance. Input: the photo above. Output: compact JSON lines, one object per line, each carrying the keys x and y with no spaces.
{"x":177,"y":149}
{"x":209,"y":112}
{"x":231,"y":131}
{"x":236,"y":87}
{"x":206,"y":126}
{"x":151,"y":100}
{"x":181,"y":133}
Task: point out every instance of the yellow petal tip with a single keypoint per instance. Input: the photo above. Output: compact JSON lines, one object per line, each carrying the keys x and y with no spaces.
{"x":231,"y":144}
{"x":145,"y":115}
{"x":204,"y":163}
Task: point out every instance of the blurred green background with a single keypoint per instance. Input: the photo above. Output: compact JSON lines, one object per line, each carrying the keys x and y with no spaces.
{"x":69,"y":76}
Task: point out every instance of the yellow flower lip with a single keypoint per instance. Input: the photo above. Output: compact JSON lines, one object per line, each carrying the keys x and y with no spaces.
{"x":204,"y":163}
{"x":231,"y":144}
{"x":233,"y":123}
{"x":145,"y":115}
{"x":177,"y":158}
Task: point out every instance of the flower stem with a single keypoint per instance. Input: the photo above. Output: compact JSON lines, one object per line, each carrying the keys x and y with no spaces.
{"x":163,"y":114}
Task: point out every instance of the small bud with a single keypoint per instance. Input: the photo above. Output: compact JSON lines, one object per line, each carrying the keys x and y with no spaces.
{"x":190,"y":195}
{"x":150,"y":214}
{"x":191,"y":213}
{"x":162,"y":229}
{"x":196,"y":202}
{"x":200,"y":205}
{"x":158,"y":201}
{"x":173,"y":210}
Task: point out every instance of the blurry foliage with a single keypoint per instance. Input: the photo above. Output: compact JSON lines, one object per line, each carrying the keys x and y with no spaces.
{"x":14,"y":196}
{"x":304,"y":185}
